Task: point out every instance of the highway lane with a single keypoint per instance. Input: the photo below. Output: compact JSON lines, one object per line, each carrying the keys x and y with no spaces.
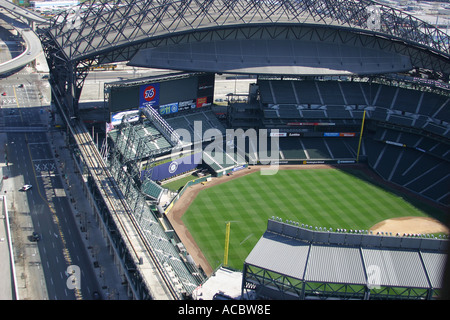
{"x":32,"y":44}
{"x":22,"y":12}
{"x":20,"y":156}
{"x":32,"y":161}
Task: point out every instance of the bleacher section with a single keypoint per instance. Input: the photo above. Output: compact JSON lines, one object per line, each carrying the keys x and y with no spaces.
{"x":352,"y":96}
{"x":289,"y":111}
{"x":432,"y":104}
{"x":339,"y":149}
{"x":197,"y":124}
{"x":407,"y":100}
{"x":180,"y":271}
{"x":139,"y":140}
{"x":418,"y":163}
{"x":292,"y":149}
{"x":191,"y":122}
{"x":152,"y":189}
{"x":284,"y":94}
{"x":316,"y":148}
{"x":331,"y":93}
{"x":315,"y":98}
{"x":295,"y":149}
{"x":220,"y":161}
{"x":385,"y":97}
{"x":307,"y":92}
{"x":409,"y":129}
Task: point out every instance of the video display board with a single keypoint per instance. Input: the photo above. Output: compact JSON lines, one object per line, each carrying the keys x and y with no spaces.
{"x":169,"y":96}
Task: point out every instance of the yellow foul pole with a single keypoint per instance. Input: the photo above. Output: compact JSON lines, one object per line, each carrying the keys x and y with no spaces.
{"x":360,"y":135}
{"x":227,"y":242}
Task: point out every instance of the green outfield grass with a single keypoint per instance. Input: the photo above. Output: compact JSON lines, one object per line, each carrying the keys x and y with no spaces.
{"x":176,"y":184}
{"x":327,"y":198}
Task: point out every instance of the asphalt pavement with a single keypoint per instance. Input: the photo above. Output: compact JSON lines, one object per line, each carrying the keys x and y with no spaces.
{"x":56,"y":206}
{"x":28,"y":213}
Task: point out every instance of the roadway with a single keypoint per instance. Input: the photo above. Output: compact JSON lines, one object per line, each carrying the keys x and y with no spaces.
{"x":22,"y":12}
{"x":32,"y":160}
{"x":33,"y":47}
{"x":48,"y":206}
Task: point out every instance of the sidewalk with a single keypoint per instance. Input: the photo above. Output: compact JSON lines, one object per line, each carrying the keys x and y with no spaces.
{"x":7,"y":285}
{"x":105,"y":269}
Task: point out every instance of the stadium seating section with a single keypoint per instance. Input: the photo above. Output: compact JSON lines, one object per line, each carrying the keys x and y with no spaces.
{"x":152,"y":189}
{"x":139,"y":140}
{"x":406,"y":137}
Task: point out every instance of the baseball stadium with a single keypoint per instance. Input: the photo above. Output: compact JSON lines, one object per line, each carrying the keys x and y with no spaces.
{"x":326,"y":178}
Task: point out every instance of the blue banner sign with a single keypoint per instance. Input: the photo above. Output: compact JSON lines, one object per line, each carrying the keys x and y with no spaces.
{"x":149,"y":95}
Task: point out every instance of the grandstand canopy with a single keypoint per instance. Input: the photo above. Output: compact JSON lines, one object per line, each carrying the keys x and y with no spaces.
{"x":269,"y":56}
{"x":254,"y":36}
{"x":349,"y":259}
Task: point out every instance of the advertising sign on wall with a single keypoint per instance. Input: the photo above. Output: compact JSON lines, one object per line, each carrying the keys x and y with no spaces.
{"x":149,"y":95}
{"x":176,"y":167}
{"x":310,"y":124}
{"x":347,"y":134}
{"x":339,"y":134}
{"x":278,"y":134}
{"x":331,"y":134}
{"x":201,"y":102}
{"x":186,"y":105}
{"x":116,"y":118}
{"x":168,"y":109}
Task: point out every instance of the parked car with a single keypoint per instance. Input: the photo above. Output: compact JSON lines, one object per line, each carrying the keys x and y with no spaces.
{"x":35,"y":236}
{"x":26,"y":187}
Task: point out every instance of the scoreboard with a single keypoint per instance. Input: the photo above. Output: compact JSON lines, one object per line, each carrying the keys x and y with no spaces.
{"x":167,"y":95}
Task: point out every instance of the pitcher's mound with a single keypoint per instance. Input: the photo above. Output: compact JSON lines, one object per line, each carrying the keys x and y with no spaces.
{"x":410,"y":225}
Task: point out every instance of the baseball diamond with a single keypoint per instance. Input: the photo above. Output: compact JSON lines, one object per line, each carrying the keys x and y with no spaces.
{"x":324,"y":198}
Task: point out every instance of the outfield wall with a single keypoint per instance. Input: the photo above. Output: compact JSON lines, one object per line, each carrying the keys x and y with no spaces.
{"x":180,"y":193}
{"x":174,"y":168}
{"x":358,"y":238}
{"x":317,"y":161}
